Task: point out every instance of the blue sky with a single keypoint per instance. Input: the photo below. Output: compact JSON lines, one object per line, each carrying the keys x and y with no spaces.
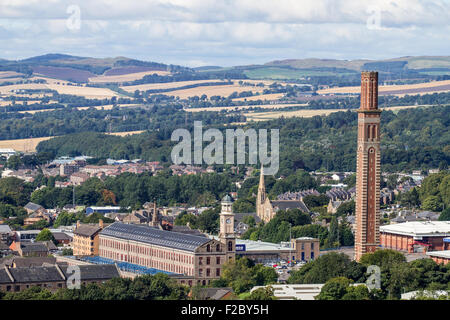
{"x":225,"y":33}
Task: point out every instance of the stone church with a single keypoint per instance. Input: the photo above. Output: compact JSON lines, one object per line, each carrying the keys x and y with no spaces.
{"x":266,"y":209}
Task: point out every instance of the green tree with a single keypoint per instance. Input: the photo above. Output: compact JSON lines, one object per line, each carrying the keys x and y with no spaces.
{"x":312,"y":201}
{"x":385,"y":258}
{"x":327,"y":266}
{"x":432,"y":203}
{"x":347,"y":208}
{"x":237,"y":274}
{"x":64,"y":219}
{"x":360,"y":292}
{"x":45,"y":235}
{"x":265,"y":293}
{"x":67,"y":252}
{"x":445,"y":215}
{"x":334,"y":289}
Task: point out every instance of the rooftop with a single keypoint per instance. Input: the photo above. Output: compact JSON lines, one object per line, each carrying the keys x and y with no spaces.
{"x":419,"y":228}
{"x":32,"y":206}
{"x":51,"y":273}
{"x":4,"y":228}
{"x":439,"y":254}
{"x":289,"y":204}
{"x":86,"y":230}
{"x":147,"y":234}
{"x":294,"y":291}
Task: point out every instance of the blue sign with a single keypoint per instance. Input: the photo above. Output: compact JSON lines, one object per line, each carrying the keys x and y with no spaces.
{"x":240,"y":247}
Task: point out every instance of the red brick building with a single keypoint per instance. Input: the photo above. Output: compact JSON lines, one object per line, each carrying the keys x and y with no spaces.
{"x":367,"y":237}
{"x":196,"y":259}
{"x":416,"y":236}
{"x":440,"y":256}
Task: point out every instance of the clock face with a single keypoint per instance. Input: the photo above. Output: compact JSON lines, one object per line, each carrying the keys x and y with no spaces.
{"x":228,"y":220}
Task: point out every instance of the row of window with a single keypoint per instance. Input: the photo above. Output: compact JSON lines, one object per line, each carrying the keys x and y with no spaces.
{"x":312,"y":246}
{"x":147,"y":262}
{"x":208,"y":272}
{"x":149,"y":251}
{"x":208,"y":260}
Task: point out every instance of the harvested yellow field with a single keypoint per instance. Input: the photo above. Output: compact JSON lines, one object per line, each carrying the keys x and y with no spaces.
{"x":36,"y":111}
{"x":386,"y":88}
{"x":29,"y":145}
{"x":271,"y":96}
{"x":166,"y":85}
{"x":265,"y":82}
{"x":126,"y":77}
{"x":265,"y":116}
{"x":396,"y":109}
{"x":126,"y":133}
{"x":9,"y":74}
{"x":105,"y":107}
{"x":8,"y":89}
{"x":7,"y":102}
{"x":23,"y":145}
{"x":233,"y":108}
{"x":13,"y":80}
{"x":221,"y":90}
{"x":87,"y":92}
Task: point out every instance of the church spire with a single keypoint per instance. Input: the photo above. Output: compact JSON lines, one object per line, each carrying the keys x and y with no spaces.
{"x":261,"y":187}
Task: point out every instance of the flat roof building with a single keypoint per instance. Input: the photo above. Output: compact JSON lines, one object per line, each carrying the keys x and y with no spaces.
{"x":416,"y":236}
{"x":103,"y":210}
{"x":440,"y":256}
{"x":300,"y":249}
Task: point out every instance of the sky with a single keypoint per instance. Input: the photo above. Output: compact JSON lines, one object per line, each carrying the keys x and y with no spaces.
{"x":225,"y":33}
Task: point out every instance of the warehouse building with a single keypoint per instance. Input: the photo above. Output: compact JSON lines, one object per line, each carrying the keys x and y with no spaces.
{"x":440,"y":256}
{"x":300,"y":249}
{"x":416,"y":236}
{"x":197,"y":260}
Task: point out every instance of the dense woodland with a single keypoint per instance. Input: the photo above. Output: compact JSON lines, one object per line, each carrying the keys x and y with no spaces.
{"x":411,"y":139}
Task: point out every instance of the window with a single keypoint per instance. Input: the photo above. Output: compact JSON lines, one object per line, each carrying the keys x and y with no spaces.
{"x":200,"y":261}
{"x":200,"y":272}
{"x":218,"y":272}
{"x":208,"y":260}
{"x":217,"y":260}
{"x":312,"y":245}
{"x":218,"y":247}
{"x":230,"y":246}
{"x":303,"y":246}
{"x":208,"y":248}
{"x":208,"y":273}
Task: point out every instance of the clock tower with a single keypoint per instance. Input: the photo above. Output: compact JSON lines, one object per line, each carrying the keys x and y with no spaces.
{"x":226,"y":234}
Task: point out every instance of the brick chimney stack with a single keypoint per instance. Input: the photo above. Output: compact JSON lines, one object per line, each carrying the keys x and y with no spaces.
{"x":367,"y":235}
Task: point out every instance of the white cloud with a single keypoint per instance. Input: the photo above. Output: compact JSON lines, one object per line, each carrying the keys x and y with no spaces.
{"x":226,"y":32}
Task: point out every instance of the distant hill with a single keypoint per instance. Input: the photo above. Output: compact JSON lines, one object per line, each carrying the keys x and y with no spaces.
{"x":420,"y":62}
{"x":318,"y":63}
{"x":344,"y":72}
{"x":80,"y":69}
